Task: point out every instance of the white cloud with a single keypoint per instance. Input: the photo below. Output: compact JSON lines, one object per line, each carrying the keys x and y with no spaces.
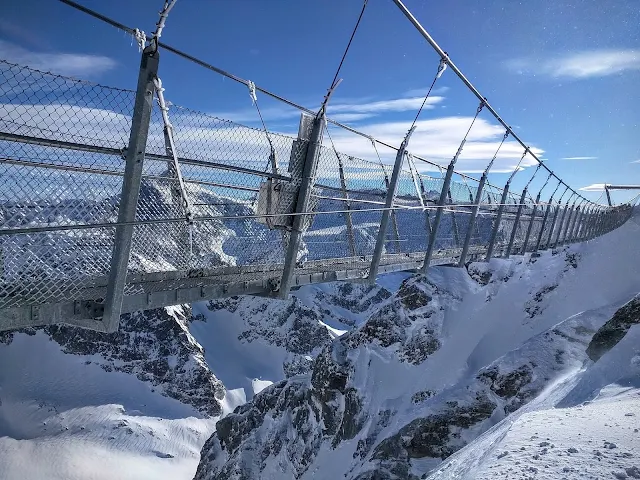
{"x":351,"y":117}
{"x":585,"y":64}
{"x":636,"y":161}
{"x":71,"y":64}
{"x":393,"y":105}
{"x":579,"y":158}
{"x":438,"y":140}
{"x":596,"y":187}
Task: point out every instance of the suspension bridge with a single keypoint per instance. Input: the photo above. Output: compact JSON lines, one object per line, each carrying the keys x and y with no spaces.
{"x":105,"y":211}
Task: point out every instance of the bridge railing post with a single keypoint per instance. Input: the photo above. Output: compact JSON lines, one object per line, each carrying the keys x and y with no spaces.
{"x":496,"y":224}
{"x":562,"y":238}
{"x":582,"y":224}
{"x":571,"y":236}
{"x":388,"y":207}
{"x":516,"y":222}
{"x":303,"y":201}
{"x":531,"y":221}
{"x":561,"y":224}
{"x":555,"y":218}
{"x":130,"y":187}
{"x":438,"y":217}
{"x":472,"y":220}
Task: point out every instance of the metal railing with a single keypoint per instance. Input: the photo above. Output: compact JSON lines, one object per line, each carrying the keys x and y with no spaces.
{"x":66,"y":152}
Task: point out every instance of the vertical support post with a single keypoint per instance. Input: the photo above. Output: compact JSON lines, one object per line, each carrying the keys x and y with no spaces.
{"x":388,"y":205}
{"x":570,"y":236}
{"x":438,"y":217}
{"x":496,"y":225}
{"x":582,"y":222}
{"x":555,"y":218}
{"x":561,"y":224}
{"x":606,"y":189}
{"x":567,"y":226}
{"x":130,"y":188}
{"x":347,"y":204}
{"x":303,"y":202}
{"x":516,"y":221}
{"x":472,"y":220}
{"x":454,"y":223}
{"x":544,"y":224}
{"x":394,"y":218}
{"x":530,"y":227}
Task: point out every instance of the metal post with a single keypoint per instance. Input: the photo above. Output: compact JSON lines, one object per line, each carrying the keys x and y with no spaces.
{"x":472,"y":220}
{"x":438,"y":218}
{"x":302,"y":203}
{"x":394,"y":220}
{"x":555,"y":218}
{"x":583,"y":222}
{"x":567,"y":226}
{"x":496,"y":225}
{"x":454,"y":224}
{"x":547,"y":209}
{"x":561,"y":224}
{"x":349,"y":222}
{"x":570,"y":237}
{"x":130,"y":188}
{"x":516,"y":221}
{"x":530,"y":228}
{"x":606,"y":189}
{"x":388,"y":205}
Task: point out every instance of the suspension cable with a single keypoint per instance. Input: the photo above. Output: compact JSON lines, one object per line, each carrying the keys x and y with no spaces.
{"x":272,"y":156}
{"x":495,"y":155}
{"x":441,"y":67}
{"x":353,"y":34}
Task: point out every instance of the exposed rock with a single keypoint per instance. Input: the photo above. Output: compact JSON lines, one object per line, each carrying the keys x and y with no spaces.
{"x":614,"y":330}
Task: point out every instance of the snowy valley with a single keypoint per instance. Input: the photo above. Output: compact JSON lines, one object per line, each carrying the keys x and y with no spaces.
{"x":517,"y":368}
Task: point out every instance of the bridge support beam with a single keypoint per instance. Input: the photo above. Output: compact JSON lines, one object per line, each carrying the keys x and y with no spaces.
{"x":130,"y":188}
{"x":303,"y":202}
{"x":388,"y":206}
{"x":472,"y":220}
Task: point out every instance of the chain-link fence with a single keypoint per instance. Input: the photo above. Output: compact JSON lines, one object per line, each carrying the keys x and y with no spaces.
{"x":62,"y":159}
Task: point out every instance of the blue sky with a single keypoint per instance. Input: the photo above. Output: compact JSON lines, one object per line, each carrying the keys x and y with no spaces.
{"x":564,"y":74}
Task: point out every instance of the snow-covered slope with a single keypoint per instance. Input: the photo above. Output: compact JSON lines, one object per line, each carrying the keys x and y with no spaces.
{"x":438,"y":364}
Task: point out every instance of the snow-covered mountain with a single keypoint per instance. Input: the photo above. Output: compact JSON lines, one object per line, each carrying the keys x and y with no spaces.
{"x":343,"y":380}
{"x":440,"y":363}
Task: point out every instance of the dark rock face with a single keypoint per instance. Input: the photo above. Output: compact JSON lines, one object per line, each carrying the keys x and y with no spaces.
{"x":614,"y":330}
{"x":301,"y":412}
{"x":354,"y":297}
{"x":534,"y":306}
{"x":288,"y":324}
{"x":156,"y":347}
{"x":436,"y":435}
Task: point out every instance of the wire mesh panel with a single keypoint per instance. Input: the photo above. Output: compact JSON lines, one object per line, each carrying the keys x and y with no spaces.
{"x":60,"y":166}
{"x":221,"y":212}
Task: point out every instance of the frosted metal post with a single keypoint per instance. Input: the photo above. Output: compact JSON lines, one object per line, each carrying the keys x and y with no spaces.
{"x":555,"y":218}
{"x":130,"y":188}
{"x":514,"y":230}
{"x":454,"y":223}
{"x":570,"y":237}
{"x":562,"y":238}
{"x":303,"y":202}
{"x":530,"y":227}
{"x":438,"y":217}
{"x":496,"y":225}
{"x":388,"y":205}
{"x":561,"y":224}
{"x":472,"y":220}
